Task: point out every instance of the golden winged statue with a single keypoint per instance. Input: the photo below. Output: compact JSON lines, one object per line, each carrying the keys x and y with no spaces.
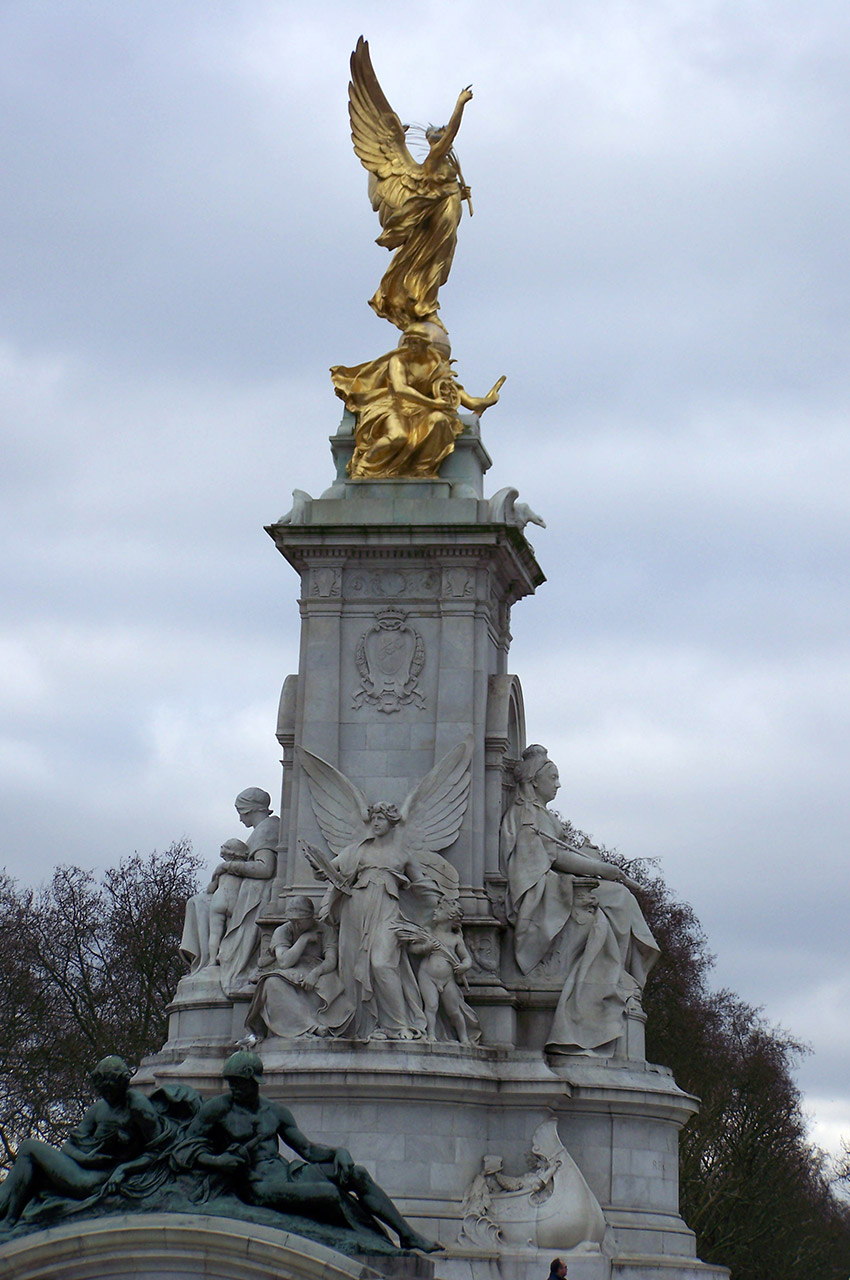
{"x":406,"y":403}
{"x":419,"y":205}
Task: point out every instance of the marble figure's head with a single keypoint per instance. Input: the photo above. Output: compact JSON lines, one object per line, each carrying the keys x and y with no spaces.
{"x":382,"y":817}
{"x":299,"y":908}
{"x":536,"y":775}
{"x":251,"y":802}
{"x":448,"y":910}
{"x":234,"y":850}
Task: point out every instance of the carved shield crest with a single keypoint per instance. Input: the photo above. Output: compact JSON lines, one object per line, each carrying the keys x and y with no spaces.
{"x":389,"y":658}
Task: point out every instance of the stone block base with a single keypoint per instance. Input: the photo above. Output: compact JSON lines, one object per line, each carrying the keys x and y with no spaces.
{"x":164,"y":1246}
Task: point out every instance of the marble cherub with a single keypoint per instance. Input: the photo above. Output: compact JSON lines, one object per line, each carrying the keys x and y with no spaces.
{"x":445,"y":961}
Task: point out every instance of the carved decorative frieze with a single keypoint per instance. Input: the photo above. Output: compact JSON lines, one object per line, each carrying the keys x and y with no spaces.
{"x":458,"y":583}
{"x":392,"y":584}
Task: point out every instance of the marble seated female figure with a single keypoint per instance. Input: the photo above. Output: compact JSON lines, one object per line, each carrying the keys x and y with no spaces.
{"x":569,"y":901}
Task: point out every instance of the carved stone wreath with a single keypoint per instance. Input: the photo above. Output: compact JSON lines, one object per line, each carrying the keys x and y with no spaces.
{"x":389,"y":658}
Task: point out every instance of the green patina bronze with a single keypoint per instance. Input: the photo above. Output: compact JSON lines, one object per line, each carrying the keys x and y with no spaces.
{"x":174,"y":1153}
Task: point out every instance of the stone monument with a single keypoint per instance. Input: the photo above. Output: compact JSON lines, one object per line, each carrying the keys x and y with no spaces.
{"x":432,"y":966}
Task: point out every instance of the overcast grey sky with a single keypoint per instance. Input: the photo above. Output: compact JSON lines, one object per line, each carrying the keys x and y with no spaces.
{"x":659,"y":263}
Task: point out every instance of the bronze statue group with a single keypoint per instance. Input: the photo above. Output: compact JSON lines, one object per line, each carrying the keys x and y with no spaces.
{"x":174,"y":1151}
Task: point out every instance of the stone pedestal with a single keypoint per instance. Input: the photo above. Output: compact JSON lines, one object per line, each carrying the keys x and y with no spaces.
{"x":406,"y":592}
{"x":421,"y":1117}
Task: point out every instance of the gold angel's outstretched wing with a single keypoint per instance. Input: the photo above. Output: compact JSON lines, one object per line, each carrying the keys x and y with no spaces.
{"x":341,"y":808}
{"x":378,"y":137}
{"x":434,"y":811}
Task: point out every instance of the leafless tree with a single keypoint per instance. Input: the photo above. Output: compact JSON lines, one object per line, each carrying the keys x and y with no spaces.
{"x":88,"y":968}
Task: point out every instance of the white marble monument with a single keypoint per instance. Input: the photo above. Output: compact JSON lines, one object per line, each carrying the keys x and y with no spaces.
{"x":433,"y":970}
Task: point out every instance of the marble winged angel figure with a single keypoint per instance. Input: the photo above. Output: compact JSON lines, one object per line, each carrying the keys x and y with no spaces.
{"x":419,"y":205}
{"x":386,"y":861}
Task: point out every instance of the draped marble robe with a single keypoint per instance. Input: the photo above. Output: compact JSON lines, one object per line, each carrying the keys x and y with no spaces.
{"x":606,"y":954}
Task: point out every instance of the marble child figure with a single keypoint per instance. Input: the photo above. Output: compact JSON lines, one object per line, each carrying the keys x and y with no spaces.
{"x":445,"y":961}
{"x":568,"y":903}
{"x":239,"y":943}
{"x":224,"y":890}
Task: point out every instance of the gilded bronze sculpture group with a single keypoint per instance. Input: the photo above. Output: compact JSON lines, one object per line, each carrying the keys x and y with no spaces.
{"x":407,"y":403}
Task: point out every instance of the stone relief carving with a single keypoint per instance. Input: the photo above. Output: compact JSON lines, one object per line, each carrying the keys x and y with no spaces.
{"x":445,"y":962}
{"x":389,"y":658}
{"x":548,"y":1207}
{"x":496,"y":899}
{"x":458,"y":583}
{"x":385,"y":874}
{"x":220,"y":929}
{"x":484,"y":949}
{"x":393,"y":583}
{"x":563,"y":897}
{"x":326,"y":582}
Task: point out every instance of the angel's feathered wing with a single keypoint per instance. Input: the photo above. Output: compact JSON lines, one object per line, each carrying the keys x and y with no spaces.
{"x":341,"y":809}
{"x":434,"y":811}
{"x":378,"y":137}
